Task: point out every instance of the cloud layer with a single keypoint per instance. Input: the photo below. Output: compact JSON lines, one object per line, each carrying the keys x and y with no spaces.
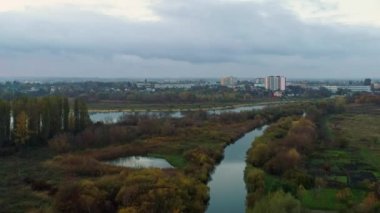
{"x":197,"y":38}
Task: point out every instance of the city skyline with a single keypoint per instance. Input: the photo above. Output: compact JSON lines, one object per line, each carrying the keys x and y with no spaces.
{"x":206,"y":39}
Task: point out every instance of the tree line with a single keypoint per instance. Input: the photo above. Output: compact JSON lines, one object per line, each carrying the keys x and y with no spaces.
{"x":35,"y":120}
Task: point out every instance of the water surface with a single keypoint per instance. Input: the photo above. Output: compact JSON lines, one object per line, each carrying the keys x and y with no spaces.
{"x":227,"y":186}
{"x":141,"y":162}
{"x":114,"y":117}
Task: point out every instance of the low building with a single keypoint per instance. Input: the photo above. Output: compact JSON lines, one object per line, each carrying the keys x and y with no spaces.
{"x":335,"y":89}
{"x":173,"y":86}
{"x":376,"y":86}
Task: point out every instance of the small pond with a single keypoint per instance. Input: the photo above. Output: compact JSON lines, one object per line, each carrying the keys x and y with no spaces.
{"x":141,"y":162}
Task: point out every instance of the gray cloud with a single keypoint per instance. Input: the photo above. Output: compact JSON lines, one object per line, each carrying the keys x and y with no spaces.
{"x":194,"y":38}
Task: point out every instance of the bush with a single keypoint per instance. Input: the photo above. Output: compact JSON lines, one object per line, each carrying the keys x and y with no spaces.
{"x":299,"y":178}
{"x":259,"y":154}
{"x":255,"y":180}
{"x":79,"y":197}
{"x":61,"y":143}
{"x":284,"y":160}
{"x":344,"y":195}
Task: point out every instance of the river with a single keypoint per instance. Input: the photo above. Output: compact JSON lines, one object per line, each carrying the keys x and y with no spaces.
{"x":113,"y":117}
{"x":227,"y":186}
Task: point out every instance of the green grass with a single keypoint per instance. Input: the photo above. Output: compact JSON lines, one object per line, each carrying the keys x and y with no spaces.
{"x":371,"y":157}
{"x":325,"y":199}
{"x":176,"y":160}
{"x":17,"y":196}
{"x":341,"y":179}
{"x":363,"y":133}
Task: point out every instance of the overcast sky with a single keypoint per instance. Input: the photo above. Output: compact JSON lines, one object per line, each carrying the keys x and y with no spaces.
{"x":190,"y":38}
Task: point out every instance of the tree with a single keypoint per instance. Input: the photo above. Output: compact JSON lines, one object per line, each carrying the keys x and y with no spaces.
{"x":81,"y":117}
{"x":21,"y":131}
{"x":5,"y":119}
{"x":259,"y":154}
{"x":66,"y":113}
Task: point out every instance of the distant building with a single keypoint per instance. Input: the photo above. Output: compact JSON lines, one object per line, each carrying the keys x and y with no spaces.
{"x":228,"y":81}
{"x":260,"y":82}
{"x":275,"y":83}
{"x":173,"y":86}
{"x":376,"y":86}
{"x":334,"y":89}
{"x":367,"y":82}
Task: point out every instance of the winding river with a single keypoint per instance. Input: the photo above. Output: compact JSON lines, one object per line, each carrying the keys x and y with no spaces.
{"x":227,"y":186}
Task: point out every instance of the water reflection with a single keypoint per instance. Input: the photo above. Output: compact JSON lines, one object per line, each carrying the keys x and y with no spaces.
{"x":113,"y":117}
{"x":141,"y":162}
{"x":227,"y":187}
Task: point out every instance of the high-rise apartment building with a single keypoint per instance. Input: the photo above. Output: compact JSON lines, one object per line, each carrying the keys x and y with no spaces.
{"x":275,"y":83}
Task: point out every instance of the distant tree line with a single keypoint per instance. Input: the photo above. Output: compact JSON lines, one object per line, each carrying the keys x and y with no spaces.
{"x":35,"y":120}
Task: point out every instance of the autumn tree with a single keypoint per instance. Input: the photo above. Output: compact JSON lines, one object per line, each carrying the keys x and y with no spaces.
{"x":21,"y":130}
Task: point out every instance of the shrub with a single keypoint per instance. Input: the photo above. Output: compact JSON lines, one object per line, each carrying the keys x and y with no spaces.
{"x":79,"y":197}
{"x":61,"y":143}
{"x":344,"y":195}
{"x":299,"y":178}
{"x":255,"y":179}
{"x":259,"y":154}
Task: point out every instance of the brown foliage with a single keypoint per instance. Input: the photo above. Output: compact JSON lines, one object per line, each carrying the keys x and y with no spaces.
{"x":368,"y":99}
{"x":61,"y":143}
{"x":283,"y":161}
{"x":82,"y":196}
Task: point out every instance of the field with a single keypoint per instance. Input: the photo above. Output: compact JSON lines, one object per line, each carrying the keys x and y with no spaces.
{"x":17,"y":194}
{"x":351,"y":159}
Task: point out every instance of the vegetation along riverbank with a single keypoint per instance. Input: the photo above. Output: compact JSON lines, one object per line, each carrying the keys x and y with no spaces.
{"x":326,"y":161}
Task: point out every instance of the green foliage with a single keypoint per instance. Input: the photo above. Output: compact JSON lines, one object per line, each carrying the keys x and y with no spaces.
{"x":81,"y":117}
{"x":326,"y":199}
{"x":37,"y":119}
{"x":299,"y":178}
{"x":279,"y":202}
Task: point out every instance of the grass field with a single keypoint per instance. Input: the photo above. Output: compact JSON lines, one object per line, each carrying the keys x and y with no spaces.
{"x":325,"y":199}
{"x":18,"y":196}
{"x":358,"y":132}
